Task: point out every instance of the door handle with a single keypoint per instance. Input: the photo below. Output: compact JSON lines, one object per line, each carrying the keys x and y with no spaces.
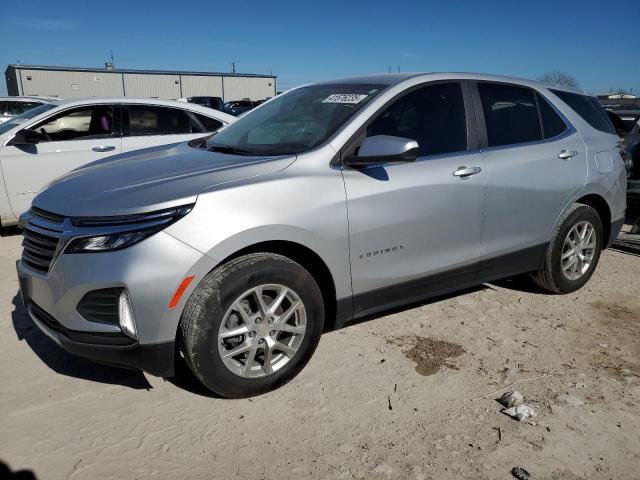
{"x":466,"y":171}
{"x":103,"y":148}
{"x":567,"y":154}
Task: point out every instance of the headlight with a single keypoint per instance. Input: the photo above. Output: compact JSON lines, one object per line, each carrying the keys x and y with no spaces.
{"x":116,"y":233}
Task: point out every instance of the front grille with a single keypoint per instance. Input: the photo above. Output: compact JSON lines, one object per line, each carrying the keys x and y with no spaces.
{"x":101,"y":306}
{"x":48,"y":216}
{"x":38,"y":249}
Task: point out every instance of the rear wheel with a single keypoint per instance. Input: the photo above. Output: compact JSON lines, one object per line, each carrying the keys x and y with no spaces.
{"x":252,"y":324}
{"x":574,"y":251}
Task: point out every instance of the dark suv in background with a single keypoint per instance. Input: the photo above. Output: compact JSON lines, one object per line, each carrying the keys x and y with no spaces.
{"x":238,"y":107}
{"x":211,"y":102}
{"x":626,"y":120}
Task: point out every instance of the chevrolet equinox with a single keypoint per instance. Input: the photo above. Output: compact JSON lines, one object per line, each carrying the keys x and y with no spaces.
{"x":329,"y":203}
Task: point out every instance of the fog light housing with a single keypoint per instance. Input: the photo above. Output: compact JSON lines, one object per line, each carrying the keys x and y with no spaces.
{"x":125,"y":315}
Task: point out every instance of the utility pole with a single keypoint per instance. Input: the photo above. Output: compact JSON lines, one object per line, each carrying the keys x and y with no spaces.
{"x":233,"y":67}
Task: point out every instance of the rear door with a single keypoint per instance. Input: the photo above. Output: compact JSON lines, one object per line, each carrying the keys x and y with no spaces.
{"x":68,"y":140}
{"x":415,"y":228}
{"x":150,"y":125}
{"x":535,"y":163}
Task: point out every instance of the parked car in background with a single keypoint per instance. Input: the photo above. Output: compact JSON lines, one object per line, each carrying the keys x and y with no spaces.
{"x":329,"y":203}
{"x":628,"y":129}
{"x":54,"y":138}
{"x":238,"y":107}
{"x":631,"y":151}
{"x":630,"y":117}
{"x":211,"y":102}
{"x":13,"y":106}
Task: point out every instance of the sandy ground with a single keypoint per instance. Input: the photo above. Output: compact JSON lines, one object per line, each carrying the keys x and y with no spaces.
{"x":406,"y":395}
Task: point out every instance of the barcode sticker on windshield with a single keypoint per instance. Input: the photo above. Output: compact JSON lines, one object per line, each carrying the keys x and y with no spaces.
{"x":351,"y":98}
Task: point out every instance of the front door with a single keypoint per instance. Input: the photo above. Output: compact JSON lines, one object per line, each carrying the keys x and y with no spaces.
{"x":68,"y":140}
{"x":415,"y":228}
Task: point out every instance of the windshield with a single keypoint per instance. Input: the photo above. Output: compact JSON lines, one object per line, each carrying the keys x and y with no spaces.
{"x":295,"y":122}
{"x":23,"y":117}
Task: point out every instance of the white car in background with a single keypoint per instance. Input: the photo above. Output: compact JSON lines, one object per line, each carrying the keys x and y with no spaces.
{"x":49,"y":140}
{"x":13,"y":106}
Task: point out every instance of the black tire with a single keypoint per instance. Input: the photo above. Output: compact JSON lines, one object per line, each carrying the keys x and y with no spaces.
{"x":214,"y":295}
{"x":550,"y":276}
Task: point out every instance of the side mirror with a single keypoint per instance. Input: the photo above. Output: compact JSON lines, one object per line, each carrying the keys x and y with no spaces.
{"x":25,"y":137}
{"x":381,"y":149}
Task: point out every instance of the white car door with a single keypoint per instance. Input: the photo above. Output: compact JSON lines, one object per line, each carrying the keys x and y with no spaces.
{"x":67,"y":140}
{"x":151,"y":125}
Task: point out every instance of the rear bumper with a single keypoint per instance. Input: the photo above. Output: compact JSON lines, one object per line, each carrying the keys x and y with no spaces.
{"x":633,"y":190}
{"x":616,"y":227}
{"x":156,"y":359}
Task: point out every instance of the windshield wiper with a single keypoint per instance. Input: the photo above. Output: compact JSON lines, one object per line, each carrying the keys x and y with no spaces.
{"x":230,"y":149}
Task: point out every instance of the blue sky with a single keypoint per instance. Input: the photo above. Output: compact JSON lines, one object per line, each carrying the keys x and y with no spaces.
{"x":304,"y":41}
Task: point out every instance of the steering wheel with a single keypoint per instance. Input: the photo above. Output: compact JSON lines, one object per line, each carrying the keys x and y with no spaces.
{"x":45,"y":134}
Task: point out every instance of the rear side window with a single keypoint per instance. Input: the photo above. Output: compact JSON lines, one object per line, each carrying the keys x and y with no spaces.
{"x":588,"y":108}
{"x":205,"y":124}
{"x":552,"y":124}
{"x":510,"y":114}
{"x":153,"y":120}
{"x":434,"y":116}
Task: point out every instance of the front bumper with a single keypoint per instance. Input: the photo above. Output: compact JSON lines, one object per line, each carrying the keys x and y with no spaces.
{"x":616,"y":227}
{"x":150,"y":271}
{"x":156,"y":359}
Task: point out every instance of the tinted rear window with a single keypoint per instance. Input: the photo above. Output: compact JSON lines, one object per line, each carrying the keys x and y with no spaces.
{"x":552,"y":124}
{"x":209,"y":124}
{"x":153,"y":120}
{"x":510,"y":114}
{"x":588,"y":108}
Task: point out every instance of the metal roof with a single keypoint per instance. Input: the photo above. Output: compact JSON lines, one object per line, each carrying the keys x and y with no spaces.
{"x":129,"y":70}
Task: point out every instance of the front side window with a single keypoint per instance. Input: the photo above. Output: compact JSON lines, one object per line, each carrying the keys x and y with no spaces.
{"x":510,"y":114}
{"x":147,"y":120}
{"x":588,"y":108}
{"x":295,"y":122}
{"x":434,"y":116}
{"x":82,"y":123}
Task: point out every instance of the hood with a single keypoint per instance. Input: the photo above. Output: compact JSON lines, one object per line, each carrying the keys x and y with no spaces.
{"x":149,"y":179}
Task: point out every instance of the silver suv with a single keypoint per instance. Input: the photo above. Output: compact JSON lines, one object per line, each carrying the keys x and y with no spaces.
{"x":326,"y":204}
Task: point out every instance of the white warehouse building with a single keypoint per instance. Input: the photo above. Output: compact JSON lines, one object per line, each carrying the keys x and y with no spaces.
{"x":71,"y":82}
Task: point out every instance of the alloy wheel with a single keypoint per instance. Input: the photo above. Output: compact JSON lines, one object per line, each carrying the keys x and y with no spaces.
{"x":262,"y":330}
{"x":578,"y":250}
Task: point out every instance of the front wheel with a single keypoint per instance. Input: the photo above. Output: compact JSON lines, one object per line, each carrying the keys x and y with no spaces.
{"x":574,"y":251}
{"x":252,"y":324}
